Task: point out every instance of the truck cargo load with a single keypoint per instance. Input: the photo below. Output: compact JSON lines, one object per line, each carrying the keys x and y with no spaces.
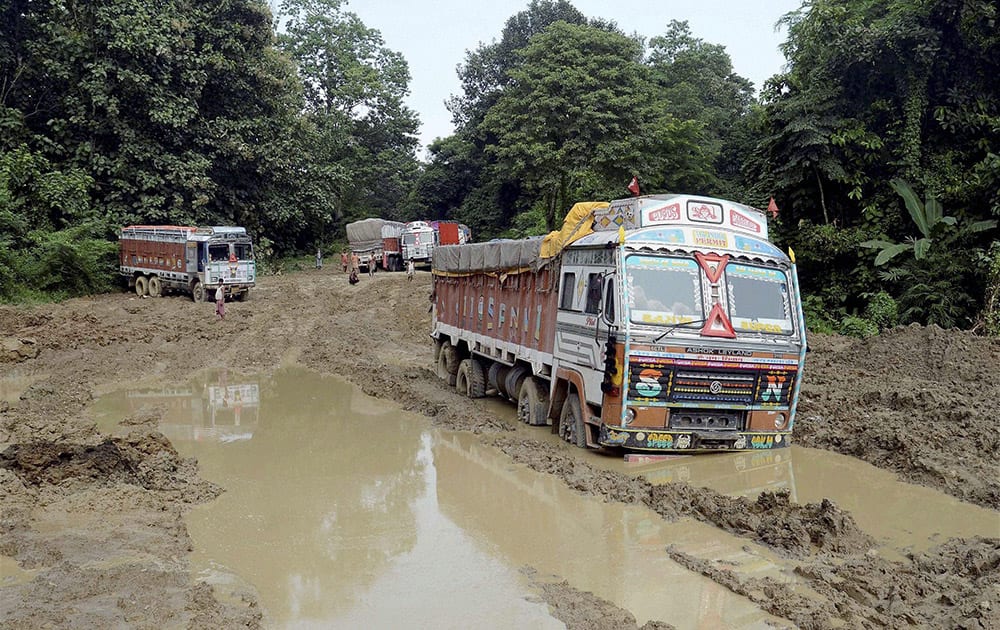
{"x":377,"y":237}
{"x":658,"y":323}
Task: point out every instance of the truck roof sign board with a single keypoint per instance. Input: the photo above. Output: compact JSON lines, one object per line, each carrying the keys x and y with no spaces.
{"x":650,"y":210}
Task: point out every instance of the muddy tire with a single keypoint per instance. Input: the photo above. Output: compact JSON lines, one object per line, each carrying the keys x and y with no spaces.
{"x":198,"y":291}
{"x":437,"y":350}
{"x":571,"y":426}
{"x":470,"y":379}
{"x":446,"y":359}
{"x":155,"y":287}
{"x":532,"y":403}
{"x":141,"y":286}
{"x":496,"y":377}
{"x":515,"y":378}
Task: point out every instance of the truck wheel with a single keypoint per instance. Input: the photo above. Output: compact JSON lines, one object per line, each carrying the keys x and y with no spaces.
{"x":470,"y":379}
{"x":513,"y":381}
{"x":571,"y":426}
{"x":141,"y":286}
{"x":443,"y":364}
{"x":497,"y":377}
{"x":532,"y":403}
{"x":198,"y":291}
{"x":437,"y":350}
{"x":243,"y":295}
{"x":155,"y":287}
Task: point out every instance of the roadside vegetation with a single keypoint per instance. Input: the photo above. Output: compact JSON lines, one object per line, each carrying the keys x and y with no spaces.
{"x":880,"y":141}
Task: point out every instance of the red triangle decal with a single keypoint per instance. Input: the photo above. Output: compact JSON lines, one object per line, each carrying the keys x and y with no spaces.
{"x":718,"y":325}
{"x":712,"y":264}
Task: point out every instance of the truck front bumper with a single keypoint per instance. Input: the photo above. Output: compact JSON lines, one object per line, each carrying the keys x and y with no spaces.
{"x":671,"y":441}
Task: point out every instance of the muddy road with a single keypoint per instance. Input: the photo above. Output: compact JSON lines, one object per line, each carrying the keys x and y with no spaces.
{"x":92,"y":529}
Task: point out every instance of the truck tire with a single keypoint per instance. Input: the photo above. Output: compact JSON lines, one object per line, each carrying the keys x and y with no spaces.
{"x":155,"y":287}
{"x":243,"y":295}
{"x":141,"y":286}
{"x":513,"y":381}
{"x":495,"y":377}
{"x":444,"y":364}
{"x":198,"y":291}
{"x":470,"y":379}
{"x":437,"y":350}
{"x":532,"y":403}
{"x":571,"y":425}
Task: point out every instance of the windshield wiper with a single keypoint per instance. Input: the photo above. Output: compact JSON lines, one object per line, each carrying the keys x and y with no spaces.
{"x":674,"y":327}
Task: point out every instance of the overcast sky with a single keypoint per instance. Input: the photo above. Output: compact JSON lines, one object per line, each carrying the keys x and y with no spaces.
{"x":433,"y":36}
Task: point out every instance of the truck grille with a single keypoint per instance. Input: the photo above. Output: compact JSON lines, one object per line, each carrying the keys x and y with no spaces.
{"x":691,"y":386}
{"x":666,"y":384}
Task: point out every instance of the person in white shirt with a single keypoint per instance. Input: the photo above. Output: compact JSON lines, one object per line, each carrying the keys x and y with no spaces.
{"x":220,"y":300}
{"x":409,"y":269}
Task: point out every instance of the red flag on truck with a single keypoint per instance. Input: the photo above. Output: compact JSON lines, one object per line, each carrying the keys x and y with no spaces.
{"x":634,"y":185}
{"x":772,"y":208}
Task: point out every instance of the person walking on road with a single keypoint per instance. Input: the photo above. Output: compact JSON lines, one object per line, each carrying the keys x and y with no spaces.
{"x":371,"y":265}
{"x":220,"y":300}
{"x":319,"y":258}
{"x":343,"y":260}
{"x":409,"y":269}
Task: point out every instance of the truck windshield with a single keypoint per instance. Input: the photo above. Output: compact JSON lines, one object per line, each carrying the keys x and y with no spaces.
{"x":243,"y":251}
{"x":664,"y":290}
{"x":217,"y":252}
{"x":758,"y":299}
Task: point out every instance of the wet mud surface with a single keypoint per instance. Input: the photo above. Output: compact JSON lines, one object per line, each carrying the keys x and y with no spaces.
{"x":94,"y":522}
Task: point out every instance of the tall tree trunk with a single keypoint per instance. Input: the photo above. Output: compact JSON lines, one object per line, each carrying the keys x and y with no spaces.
{"x":822,"y":196}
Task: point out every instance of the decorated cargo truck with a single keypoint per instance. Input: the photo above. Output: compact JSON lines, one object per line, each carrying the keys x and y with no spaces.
{"x":157,"y":259}
{"x":421,"y":237}
{"x":661,"y":323}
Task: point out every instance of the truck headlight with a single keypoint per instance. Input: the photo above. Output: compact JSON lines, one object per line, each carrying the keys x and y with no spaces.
{"x":779,"y":421}
{"x":629,"y":416}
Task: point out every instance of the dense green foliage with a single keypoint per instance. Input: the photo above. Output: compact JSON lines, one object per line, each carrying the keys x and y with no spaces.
{"x":879,"y":141}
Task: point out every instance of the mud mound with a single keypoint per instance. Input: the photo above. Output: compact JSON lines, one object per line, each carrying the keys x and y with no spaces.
{"x":919,"y":401}
{"x":585,"y":611}
{"x":772,"y":519}
{"x":147,"y":460}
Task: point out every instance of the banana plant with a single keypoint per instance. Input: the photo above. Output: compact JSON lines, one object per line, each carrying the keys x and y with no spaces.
{"x":930,"y":220}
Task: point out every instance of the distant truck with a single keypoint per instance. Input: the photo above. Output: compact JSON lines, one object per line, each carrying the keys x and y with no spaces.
{"x":157,"y":259}
{"x":421,"y":237}
{"x":376,"y":237}
{"x":662,"y":323}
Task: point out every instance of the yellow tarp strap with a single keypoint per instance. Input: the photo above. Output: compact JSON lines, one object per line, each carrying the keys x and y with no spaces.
{"x":577,"y":224}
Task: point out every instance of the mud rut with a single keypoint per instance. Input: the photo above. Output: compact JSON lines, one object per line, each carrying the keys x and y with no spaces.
{"x":97,"y":520}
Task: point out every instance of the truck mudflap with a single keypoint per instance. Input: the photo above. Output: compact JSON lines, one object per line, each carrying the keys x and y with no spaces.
{"x":690,"y":441}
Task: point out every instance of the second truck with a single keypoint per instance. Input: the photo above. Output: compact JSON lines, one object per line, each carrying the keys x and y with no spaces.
{"x":663,"y":323}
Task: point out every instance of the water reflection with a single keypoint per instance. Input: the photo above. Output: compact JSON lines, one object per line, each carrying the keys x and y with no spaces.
{"x":319,"y":492}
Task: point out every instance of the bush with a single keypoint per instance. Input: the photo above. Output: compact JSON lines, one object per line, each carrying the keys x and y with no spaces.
{"x":818,"y":319}
{"x":991,"y":307}
{"x":882,"y":310}
{"x":858,"y":327}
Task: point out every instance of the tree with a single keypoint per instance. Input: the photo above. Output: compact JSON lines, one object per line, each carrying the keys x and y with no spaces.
{"x":354,"y":90}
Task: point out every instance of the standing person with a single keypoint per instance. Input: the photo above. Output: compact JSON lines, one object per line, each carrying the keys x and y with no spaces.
{"x":319,"y":258}
{"x":409,"y":269}
{"x":343,"y":260}
{"x":220,"y":300}
{"x":355,"y":262}
{"x":371,"y":265}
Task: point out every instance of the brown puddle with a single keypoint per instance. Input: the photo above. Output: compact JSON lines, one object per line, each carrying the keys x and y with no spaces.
{"x":341,"y":510}
{"x":902,"y":516}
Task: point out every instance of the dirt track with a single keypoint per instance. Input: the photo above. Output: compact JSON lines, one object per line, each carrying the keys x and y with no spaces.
{"x":98,"y":520}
